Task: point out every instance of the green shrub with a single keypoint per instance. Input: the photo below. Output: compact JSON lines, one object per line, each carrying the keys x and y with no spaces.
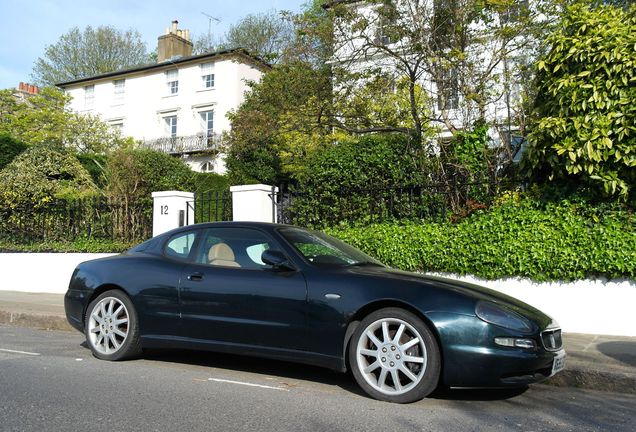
{"x":526,"y":238}
{"x":42,"y":174}
{"x":95,"y":164}
{"x":340,"y":181}
{"x":9,"y":149}
{"x":133,"y":174}
{"x":209,"y":182}
{"x":585,"y":130}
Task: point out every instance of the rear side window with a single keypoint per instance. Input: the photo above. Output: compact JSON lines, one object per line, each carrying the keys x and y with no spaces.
{"x":180,"y":245}
{"x":234,"y":247}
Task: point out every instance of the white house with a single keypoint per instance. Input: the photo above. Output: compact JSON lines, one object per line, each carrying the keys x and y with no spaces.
{"x":361,"y":44}
{"x":177,"y":105}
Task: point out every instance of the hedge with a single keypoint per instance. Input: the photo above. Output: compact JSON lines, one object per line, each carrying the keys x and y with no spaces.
{"x":555,"y":241}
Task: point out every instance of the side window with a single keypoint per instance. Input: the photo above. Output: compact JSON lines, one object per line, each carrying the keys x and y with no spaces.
{"x":180,"y":245}
{"x":234,"y":247}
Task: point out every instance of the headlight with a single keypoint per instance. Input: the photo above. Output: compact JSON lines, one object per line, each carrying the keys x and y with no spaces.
{"x":498,"y":315}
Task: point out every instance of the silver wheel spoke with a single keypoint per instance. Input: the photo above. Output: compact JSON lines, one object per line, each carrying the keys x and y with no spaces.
{"x":412,"y":359}
{"x":110,"y":306}
{"x":369,"y":352}
{"x":396,"y":380}
{"x":119,"y":333}
{"x":119,"y":309}
{"x":382,"y":377}
{"x":385,"y":331}
{"x":97,"y":318}
{"x":120,"y":321}
{"x":373,"y":339}
{"x":398,"y":334}
{"x":113,"y":341}
{"x":95,"y":330}
{"x":410,"y":343}
{"x":373,"y":366}
{"x":408,"y":373}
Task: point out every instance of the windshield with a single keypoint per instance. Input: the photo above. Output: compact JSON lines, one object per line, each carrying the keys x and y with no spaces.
{"x":320,"y":249}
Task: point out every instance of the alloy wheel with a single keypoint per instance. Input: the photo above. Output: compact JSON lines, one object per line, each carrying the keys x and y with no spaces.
{"x":391,"y":356}
{"x":108,"y":325}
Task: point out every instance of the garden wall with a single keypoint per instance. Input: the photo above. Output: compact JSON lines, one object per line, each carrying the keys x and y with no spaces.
{"x":584,"y":306}
{"x":40,"y":272}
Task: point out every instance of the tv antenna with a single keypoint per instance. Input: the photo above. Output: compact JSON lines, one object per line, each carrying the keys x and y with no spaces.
{"x":210,"y":19}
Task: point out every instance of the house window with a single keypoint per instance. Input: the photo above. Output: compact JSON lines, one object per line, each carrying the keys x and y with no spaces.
{"x":117,"y":125}
{"x":444,"y":23}
{"x":89,"y":96}
{"x":207,"y":75}
{"x":171,"y":125}
{"x":387,"y":20}
{"x":119,"y":91}
{"x":448,"y":90}
{"x":172,"y":80}
{"x":207,"y":122}
{"x":207,"y":167}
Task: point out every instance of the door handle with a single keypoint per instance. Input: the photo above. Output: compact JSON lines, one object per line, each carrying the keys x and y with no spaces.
{"x":195,"y":276}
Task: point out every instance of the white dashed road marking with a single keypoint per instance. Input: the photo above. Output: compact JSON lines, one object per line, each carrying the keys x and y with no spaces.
{"x":19,"y":352}
{"x":247,"y":384}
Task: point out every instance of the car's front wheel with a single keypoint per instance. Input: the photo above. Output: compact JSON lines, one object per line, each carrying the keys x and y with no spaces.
{"x":112,"y":328}
{"x":394,"y":356}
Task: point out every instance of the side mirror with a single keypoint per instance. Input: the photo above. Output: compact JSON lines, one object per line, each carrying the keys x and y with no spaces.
{"x":276,"y":259}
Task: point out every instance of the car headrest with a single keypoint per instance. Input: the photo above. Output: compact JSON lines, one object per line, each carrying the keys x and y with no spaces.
{"x":220,"y":252}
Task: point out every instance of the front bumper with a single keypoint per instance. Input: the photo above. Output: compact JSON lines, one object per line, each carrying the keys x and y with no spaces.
{"x":472,"y":359}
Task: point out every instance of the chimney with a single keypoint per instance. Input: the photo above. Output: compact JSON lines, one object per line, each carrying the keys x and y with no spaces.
{"x":175,"y":43}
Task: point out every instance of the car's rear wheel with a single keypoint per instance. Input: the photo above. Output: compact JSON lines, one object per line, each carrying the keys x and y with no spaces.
{"x":112,"y":328}
{"x":394,"y":356}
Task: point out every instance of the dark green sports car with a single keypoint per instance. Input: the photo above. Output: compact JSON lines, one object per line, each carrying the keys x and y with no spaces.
{"x":285,"y":292}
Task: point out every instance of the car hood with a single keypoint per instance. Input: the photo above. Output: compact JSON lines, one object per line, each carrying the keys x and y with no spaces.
{"x":474,"y":291}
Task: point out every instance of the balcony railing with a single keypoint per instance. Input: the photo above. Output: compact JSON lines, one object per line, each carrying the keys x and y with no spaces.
{"x":185,"y":144}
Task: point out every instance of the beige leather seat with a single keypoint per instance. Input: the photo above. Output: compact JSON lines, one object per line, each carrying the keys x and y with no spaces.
{"x":222,"y":255}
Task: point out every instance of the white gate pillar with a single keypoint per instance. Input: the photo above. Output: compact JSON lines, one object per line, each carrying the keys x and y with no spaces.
{"x":253,"y":203}
{"x":171,"y":209}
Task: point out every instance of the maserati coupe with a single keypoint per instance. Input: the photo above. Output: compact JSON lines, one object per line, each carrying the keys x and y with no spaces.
{"x":293,"y":294}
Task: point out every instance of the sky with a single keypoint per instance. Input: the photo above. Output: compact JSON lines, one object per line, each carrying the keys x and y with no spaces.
{"x":30,"y":25}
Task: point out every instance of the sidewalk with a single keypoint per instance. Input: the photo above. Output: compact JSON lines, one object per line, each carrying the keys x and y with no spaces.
{"x":605,"y":363}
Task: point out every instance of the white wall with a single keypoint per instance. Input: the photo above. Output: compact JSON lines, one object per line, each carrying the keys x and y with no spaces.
{"x":594,"y":306}
{"x":586,"y":306}
{"x":40,"y":272}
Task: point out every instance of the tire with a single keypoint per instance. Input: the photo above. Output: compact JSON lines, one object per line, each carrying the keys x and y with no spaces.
{"x":380,"y":357}
{"x":111,"y":327}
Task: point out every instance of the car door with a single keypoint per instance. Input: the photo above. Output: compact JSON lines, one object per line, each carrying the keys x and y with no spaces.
{"x":228,"y":295}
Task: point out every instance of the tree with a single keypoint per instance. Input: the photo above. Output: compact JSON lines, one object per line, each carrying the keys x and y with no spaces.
{"x":93,"y":51}
{"x":284,"y":117}
{"x":469,"y":50}
{"x":267,"y":35}
{"x":47,"y":118}
{"x":279,"y":123}
{"x":584,"y":129}
{"x":133,"y":174}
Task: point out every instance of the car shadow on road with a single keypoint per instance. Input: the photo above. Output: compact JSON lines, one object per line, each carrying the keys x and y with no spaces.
{"x":623,"y":351}
{"x":284,"y":371}
{"x":294,"y":371}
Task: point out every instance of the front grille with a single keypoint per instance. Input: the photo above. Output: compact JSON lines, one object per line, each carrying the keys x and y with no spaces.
{"x":552,"y":340}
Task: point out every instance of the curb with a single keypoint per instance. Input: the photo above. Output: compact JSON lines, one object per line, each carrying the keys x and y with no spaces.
{"x":579,"y":376}
{"x":42,"y":322}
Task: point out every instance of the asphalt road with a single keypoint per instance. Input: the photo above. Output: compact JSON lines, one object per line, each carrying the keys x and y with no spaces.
{"x":49,"y":381}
